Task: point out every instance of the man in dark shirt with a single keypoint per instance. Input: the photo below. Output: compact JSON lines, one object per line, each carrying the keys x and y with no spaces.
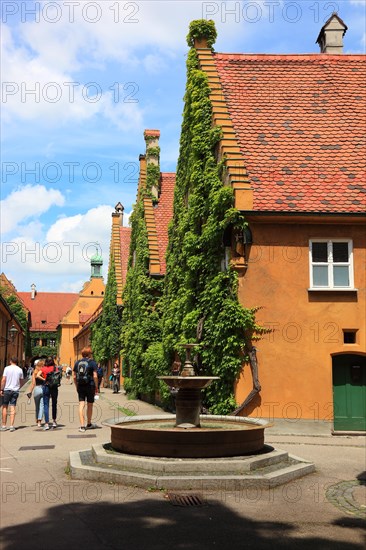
{"x":86,"y":382}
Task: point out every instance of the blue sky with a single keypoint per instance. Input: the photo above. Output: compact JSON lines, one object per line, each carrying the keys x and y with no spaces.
{"x":81,"y":81}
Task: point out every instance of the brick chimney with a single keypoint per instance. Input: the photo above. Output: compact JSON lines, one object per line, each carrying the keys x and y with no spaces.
{"x":117,"y":215}
{"x":153,"y":158}
{"x":331,"y":35}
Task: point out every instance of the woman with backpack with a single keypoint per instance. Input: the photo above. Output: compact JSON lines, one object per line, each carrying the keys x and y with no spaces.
{"x":51,"y":378}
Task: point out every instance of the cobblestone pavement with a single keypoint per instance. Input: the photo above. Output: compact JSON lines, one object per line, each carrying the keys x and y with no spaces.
{"x":349,"y":496}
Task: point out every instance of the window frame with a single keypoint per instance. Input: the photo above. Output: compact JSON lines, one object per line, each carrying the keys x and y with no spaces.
{"x":330,"y":264}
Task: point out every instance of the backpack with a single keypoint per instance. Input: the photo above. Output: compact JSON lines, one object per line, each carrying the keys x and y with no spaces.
{"x":53,"y":378}
{"x":82,"y":373}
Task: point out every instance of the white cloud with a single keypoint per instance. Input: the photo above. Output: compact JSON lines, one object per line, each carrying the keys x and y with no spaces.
{"x":126,"y":218}
{"x":77,"y":238}
{"x":26,"y":203}
{"x":59,"y":260}
{"x":125,"y":115}
{"x":36,"y":86}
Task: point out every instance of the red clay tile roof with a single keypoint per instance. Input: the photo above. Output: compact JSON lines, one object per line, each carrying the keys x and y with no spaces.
{"x":163,"y":213}
{"x":84,"y":317}
{"x":300,"y":121}
{"x":48,"y":306}
{"x":125,"y":251}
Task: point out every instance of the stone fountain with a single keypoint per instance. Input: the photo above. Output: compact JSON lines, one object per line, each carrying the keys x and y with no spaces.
{"x":188,"y":451}
{"x":192,"y":435}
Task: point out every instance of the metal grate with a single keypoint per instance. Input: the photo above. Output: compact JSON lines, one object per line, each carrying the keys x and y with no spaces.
{"x":185,"y":500}
{"x":36,"y":447}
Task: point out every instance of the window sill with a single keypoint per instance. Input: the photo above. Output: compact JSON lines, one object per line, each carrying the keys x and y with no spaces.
{"x":332,"y":289}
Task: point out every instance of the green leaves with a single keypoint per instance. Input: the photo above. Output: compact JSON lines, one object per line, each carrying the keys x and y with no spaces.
{"x":197,"y":291}
{"x":198,"y":299}
{"x":201,"y":28}
{"x":105,"y":332}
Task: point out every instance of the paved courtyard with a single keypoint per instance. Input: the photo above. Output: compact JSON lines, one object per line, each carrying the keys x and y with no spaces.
{"x":42,"y":506}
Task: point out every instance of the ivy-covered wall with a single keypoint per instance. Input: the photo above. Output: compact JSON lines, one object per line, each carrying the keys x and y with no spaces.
{"x":200,"y":301}
{"x":141,"y":318}
{"x":105,"y":332}
{"x":20,"y":314}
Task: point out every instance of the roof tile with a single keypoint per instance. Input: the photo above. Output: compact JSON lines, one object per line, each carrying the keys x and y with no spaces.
{"x":277,"y":106}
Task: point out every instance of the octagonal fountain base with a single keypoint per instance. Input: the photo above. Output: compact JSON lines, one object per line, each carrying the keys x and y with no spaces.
{"x":268,"y":468}
{"x":217,"y":436}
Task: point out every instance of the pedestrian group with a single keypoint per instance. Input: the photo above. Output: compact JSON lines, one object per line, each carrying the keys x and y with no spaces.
{"x":45,"y":380}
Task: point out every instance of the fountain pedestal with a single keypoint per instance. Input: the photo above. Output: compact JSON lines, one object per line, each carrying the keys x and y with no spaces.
{"x":188,"y":399}
{"x":188,"y":408}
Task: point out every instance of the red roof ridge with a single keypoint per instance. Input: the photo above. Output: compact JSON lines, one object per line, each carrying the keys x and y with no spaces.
{"x":312,"y":56}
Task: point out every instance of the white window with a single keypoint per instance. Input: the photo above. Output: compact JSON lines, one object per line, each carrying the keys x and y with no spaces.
{"x":331,"y":264}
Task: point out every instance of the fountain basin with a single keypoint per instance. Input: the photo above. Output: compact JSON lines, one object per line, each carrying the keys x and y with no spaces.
{"x":157,"y":436}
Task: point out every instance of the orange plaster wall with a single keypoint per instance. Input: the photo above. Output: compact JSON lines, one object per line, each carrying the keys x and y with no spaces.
{"x":295,"y":363}
{"x":89,"y":300}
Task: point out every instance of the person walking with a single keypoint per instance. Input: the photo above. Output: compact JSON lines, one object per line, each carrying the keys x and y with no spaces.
{"x":37,"y":390}
{"x":86,"y":383}
{"x":50,"y":390}
{"x":11,"y":382}
{"x":68,"y":374}
{"x":100,"y":374}
{"x":116,"y":378}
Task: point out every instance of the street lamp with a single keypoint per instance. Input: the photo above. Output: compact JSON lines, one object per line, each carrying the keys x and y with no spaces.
{"x":13,"y":331}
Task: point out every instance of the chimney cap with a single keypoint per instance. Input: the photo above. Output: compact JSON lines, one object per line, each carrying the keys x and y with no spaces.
{"x":153,"y":133}
{"x":119,"y":208}
{"x":334,"y":15}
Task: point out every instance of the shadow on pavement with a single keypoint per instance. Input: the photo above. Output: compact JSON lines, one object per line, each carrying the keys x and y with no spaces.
{"x":156,"y":525}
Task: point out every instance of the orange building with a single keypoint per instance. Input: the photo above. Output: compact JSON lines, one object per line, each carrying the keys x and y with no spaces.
{"x":293,"y":146}
{"x":46,"y":311}
{"x":57,"y":316}
{"x":87,"y":302}
{"x":293,"y":151}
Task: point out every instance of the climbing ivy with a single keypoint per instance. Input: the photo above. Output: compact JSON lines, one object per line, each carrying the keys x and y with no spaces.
{"x":20,"y":313}
{"x":141,"y":318}
{"x":201,"y":28}
{"x":201,"y":299}
{"x":105,"y":332}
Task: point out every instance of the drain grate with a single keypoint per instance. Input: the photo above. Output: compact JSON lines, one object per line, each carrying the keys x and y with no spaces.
{"x":36,"y":447}
{"x":185,"y":500}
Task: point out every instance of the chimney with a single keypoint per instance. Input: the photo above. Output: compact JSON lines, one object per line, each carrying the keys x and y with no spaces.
{"x":331,"y":35}
{"x":33,"y":291}
{"x":152,"y":161}
{"x":117,"y":215}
